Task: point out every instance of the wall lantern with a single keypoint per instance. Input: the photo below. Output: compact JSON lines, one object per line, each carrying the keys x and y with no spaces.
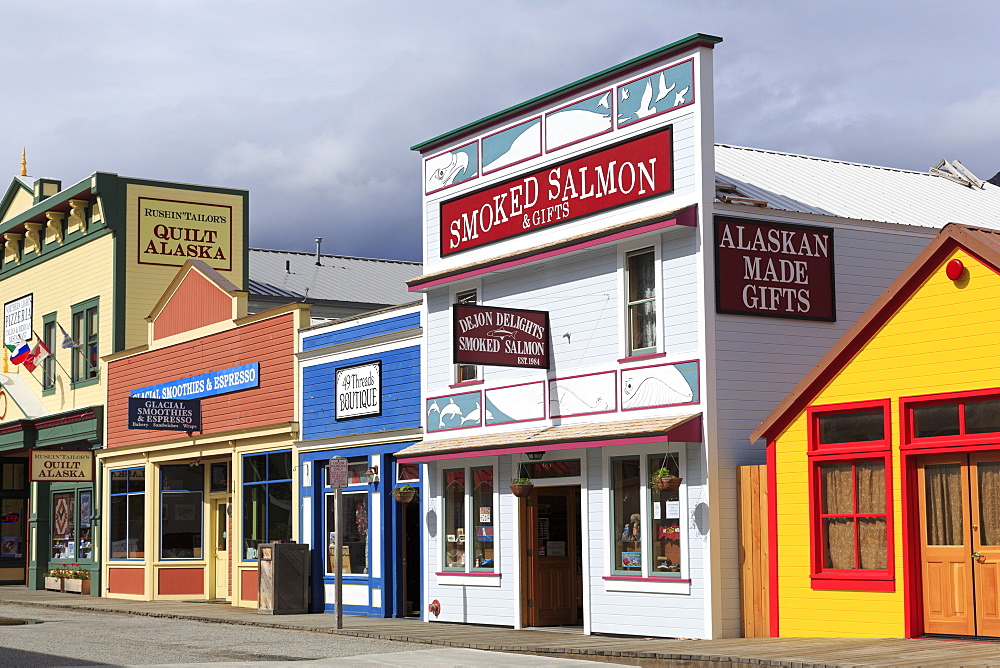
{"x":371,"y":475}
{"x":955,"y":269}
{"x":536,"y":456}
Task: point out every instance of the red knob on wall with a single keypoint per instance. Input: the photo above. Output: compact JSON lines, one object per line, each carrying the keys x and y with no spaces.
{"x":434,"y":608}
{"x":955,"y":269}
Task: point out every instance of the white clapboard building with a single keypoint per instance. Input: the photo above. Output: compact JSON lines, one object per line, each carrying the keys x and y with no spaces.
{"x":610,"y":294}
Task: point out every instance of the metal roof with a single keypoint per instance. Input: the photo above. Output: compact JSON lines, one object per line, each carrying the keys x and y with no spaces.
{"x":338,"y":278}
{"x":806,"y":184}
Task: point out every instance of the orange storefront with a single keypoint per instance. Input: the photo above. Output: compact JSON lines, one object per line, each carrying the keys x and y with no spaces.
{"x":201,"y":423}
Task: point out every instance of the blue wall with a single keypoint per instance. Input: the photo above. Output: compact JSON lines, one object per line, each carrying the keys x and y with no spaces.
{"x":396,"y":324}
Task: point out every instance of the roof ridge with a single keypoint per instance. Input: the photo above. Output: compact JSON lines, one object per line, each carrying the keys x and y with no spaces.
{"x":820,"y":159}
{"x":341,"y":257}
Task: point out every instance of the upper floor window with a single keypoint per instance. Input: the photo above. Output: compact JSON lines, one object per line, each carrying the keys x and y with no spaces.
{"x":85,"y":334}
{"x":466,"y":372}
{"x":849,"y":427}
{"x":49,"y":363}
{"x":641,"y":300}
{"x":954,"y":418}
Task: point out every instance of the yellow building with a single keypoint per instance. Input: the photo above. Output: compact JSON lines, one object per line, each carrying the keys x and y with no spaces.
{"x":81,"y":268}
{"x":884,"y":462}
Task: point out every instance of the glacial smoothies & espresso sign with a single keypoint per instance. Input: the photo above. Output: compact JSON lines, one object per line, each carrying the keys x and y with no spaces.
{"x":625,"y":173}
{"x":500,"y":336}
{"x":61,"y":466}
{"x":774,"y":269}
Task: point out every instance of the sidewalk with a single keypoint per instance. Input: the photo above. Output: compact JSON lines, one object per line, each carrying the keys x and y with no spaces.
{"x":786,"y":652}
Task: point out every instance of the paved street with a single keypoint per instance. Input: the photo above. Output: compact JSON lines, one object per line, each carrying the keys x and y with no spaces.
{"x":78,"y":638}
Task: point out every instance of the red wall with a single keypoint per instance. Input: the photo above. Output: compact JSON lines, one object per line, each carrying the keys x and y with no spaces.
{"x":195,"y":303}
{"x":248,"y":585}
{"x":269,"y":342}
{"x":181,"y":581}
{"x":126,"y":581}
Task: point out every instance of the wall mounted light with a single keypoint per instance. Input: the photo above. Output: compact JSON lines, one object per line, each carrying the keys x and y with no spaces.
{"x":536,"y":456}
{"x":371,"y":475}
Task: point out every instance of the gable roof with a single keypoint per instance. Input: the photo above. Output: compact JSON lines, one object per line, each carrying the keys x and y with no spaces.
{"x":214,"y":278}
{"x":980,"y":242}
{"x":806,"y":184}
{"x":18,"y":185}
{"x":355,"y":280}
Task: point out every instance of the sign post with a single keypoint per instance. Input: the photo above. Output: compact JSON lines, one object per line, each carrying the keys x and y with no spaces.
{"x":337,"y":474}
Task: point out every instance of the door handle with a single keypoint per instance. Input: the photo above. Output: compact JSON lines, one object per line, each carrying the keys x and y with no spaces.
{"x":977,"y":556}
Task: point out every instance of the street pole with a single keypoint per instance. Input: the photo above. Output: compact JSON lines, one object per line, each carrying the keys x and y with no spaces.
{"x":338,"y":570}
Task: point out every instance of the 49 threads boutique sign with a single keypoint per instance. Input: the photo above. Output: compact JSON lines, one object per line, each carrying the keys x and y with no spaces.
{"x":500,"y":336}
{"x":601,"y":180}
{"x":359,"y":391}
{"x":774,"y":270}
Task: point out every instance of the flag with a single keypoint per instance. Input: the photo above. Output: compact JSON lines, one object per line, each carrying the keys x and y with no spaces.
{"x":35,"y":357}
{"x":19,"y":352}
{"x":67,"y":340}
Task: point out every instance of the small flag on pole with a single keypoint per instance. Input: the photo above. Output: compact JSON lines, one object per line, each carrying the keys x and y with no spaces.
{"x":37,"y":354}
{"x":67,"y":340}
{"x":19,"y":352}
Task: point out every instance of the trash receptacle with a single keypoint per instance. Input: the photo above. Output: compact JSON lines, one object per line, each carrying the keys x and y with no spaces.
{"x":283,"y":579}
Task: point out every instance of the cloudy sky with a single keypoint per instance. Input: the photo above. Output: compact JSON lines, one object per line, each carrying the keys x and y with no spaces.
{"x":312,"y":105}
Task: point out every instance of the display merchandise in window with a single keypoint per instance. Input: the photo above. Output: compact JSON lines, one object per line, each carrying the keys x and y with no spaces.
{"x":354,"y":542}
{"x":482,"y":518}
{"x":454,"y":519}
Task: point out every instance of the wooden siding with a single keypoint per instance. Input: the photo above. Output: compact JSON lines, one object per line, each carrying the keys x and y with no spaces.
{"x":361,"y":331}
{"x":146,"y":282}
{"x":759,"y":360}
{"x":400,"y":395}
{"x":195,"y":303}
{"x":753,"y":531}
{"x":941,"y":340}
{"x":269,"y":342}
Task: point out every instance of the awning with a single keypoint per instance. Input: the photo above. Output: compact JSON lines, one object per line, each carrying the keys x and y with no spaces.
{"x":679,"y":428}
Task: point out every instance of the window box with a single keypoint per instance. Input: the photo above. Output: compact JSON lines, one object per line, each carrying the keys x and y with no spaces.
{"x":75,"y":586}
{"x":53,"y":584}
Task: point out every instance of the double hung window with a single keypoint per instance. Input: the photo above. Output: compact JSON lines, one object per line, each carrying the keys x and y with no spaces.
{"x":267,"y":500}
{"x":641,"y":302}
{"x":466,"y":372}
{"x":128,"y":513}
{"x":85,"y":335}
{"x":49,"y":363}
{"x":469,"y":519}
{"x":850,"y":498}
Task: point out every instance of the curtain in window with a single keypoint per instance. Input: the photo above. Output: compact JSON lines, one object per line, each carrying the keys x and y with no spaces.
{"x":943,"y":493}
{"x":989,"y":502}
{"x":870,"y":481}
{"x":838,"y":533}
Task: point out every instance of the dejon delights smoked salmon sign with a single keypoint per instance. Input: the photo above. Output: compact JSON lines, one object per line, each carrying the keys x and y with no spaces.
{"x":500,"y":336}
{"x":171,"y":233}
{"x":774,"y":269}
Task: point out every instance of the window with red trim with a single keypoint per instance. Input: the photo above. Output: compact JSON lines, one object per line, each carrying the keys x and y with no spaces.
{"x":953,"y":417}
{"x":850,"y":497}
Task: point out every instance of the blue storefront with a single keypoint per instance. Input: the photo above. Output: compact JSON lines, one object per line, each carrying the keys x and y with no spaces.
{"x":361,"y":401}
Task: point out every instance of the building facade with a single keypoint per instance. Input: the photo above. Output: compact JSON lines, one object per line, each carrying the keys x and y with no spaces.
{"x":609,"y":297}
{"x":360,"y":381}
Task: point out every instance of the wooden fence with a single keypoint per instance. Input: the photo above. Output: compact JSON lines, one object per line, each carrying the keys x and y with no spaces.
{"x":753,"y":530}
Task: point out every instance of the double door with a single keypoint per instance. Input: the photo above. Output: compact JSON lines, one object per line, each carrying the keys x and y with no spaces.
{"x":959,"y":498}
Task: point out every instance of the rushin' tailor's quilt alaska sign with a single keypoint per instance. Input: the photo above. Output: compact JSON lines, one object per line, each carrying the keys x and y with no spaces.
{"x":500,"y":336}
{"x":627,"y":172}
{"x":774,"y":269}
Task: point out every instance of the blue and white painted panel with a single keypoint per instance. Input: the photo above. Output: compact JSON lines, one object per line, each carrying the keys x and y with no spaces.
{"x":515,"y":403}
{"x":583,"y":395}
{"x":659,"y":385}
{"x":513,"y":145}
{"x":457,"y":411}
{"x":365,"y":329}
{"x":590,"y":117}
{"x":657,"y":93}
{"x":451,"y":167}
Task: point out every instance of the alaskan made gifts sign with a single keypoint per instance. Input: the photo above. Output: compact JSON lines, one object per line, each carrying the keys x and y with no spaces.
{"x":500,"y":336}
{"x":774,"y":269}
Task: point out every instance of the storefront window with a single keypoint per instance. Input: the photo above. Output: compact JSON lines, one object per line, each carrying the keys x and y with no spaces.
{"x":128,"y":514}
{"x":626,"y":524}
{"x":354,"y":542}
{"x":482,"y":508}
{"x":454,"y":519}
{"x":64,"y":526}
{"x":182,"y":488}
{"x":267,"y":500}
{"x":13,"y":507}
{"x":664,"y":501}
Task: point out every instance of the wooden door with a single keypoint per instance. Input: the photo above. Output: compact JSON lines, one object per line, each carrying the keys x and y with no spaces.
{"x":553,"y":581}
{"x":984,"y":476}
{"x":220,"y":536}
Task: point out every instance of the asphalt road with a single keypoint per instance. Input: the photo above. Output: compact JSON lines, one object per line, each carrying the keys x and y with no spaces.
{"x":70,"y":638}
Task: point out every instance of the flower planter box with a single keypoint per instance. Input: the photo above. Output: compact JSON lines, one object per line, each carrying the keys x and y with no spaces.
{"x":54,"y":584}
{"x":77,"y":586}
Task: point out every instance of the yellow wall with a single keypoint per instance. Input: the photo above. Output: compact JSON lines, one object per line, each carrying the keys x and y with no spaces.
{"x":56,"y":285}
{"x":943,"y":339}
{"x":22,"y":201}
{"x":146,"y":282}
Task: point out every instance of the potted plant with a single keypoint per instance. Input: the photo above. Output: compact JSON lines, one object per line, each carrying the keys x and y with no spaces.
{"x":404,"y":493}
{"x":54,"y":579}
{"x":664,"y":480}
{"x":77,"y":581}
{"x":521,"y":487}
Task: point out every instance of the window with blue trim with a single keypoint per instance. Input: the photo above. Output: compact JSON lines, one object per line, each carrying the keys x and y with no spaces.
{"x":182,"y":491}
{"x":267,"y":500}
{"x":128,"y":513}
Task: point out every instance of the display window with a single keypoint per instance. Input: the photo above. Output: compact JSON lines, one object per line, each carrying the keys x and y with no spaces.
{"x":267,"y":500}
{"x":13,"y":510}
{"x":647,"y":504}
{"x":128,"y":513}
{"x":182,"y":491}
{"x":469,"y":520}
{"x":354,"y":557}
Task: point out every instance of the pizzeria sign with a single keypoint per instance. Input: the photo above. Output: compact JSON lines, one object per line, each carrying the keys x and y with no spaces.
{"x":500,"y":336}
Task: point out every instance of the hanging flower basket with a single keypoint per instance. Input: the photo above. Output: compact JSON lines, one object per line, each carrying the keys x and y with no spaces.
{"x":668,"y":484}
{"x":521,"y":487}
{"x":405,"y":494}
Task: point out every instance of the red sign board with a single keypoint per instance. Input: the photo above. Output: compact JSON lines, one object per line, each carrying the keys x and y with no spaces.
{"x":774,"y":269}
{"x":500,"y":336}
{"x":336,"y":473}
{"x":625,"y":173}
